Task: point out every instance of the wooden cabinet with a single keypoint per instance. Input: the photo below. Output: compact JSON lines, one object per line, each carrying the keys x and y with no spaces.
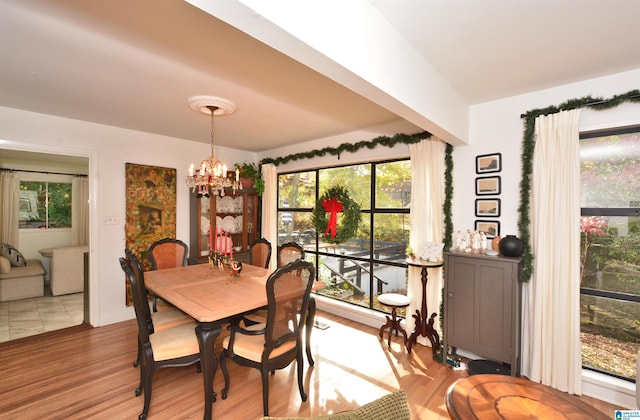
{"x":235,"y":214}
{"x":482,"y":297}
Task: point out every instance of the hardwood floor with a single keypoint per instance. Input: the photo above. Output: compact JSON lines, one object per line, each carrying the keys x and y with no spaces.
{"x":84,"y":372}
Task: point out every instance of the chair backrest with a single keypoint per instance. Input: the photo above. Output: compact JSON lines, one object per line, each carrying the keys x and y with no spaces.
{"x":136,"y":268}
{"x":288,"y":291}
{"x":138,"y":303}
{"x":260,"y":253}
{"x":289,"y":252}
{"x":168,"y":253}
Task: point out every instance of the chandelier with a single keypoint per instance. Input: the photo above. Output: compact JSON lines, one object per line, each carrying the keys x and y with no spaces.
{"x":212,"y":177}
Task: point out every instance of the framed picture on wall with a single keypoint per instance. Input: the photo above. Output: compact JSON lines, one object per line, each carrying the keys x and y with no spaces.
{"x":488,"y":207}
{"x":490,"y":228}
{"x":489,"y":163}
{"x":488,"y":185}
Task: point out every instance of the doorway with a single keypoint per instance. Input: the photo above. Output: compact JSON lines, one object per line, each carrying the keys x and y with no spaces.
{"x":40,"y":314}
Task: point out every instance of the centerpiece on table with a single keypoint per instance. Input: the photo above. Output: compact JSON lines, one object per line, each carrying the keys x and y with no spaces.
{"x":221,"y":253}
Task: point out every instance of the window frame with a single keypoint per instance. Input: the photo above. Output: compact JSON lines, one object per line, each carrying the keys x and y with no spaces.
{"x":609,"y":212}
{"x":48,"y":178}
{"x":369,"y":210}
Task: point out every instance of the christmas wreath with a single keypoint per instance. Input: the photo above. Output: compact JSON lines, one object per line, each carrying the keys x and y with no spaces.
{"x":332,"y":226}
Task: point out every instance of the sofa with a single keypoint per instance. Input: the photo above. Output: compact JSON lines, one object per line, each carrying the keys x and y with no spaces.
{"x":67,"y":269}
{"x":21,"y":282}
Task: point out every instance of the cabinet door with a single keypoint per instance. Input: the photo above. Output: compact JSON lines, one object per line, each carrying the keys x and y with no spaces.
{"x":461,"y":303}
{"x":480,"y":311}
{"x":234,"y":215}
{"x":494,"y":309}
{"x":204,"y":216}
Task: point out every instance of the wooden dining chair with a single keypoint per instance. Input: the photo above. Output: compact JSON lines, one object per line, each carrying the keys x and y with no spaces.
{"x":157,"y":321}
{"x":167,"y":253}
{"x":289,"y":252}
{"x":173,"y":347}
{"x":260,"y":253}
{"x":280,"y":341}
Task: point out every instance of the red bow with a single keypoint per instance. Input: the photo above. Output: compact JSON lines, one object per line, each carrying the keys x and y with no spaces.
{"x":333,"y":206}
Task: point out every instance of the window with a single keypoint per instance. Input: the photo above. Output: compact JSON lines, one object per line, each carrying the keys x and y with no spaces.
{"x":370,"y":263}
{"x":610,"y":251}
{"x":45,"y":205}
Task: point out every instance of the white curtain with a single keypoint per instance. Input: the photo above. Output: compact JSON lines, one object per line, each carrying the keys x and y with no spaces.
{"x":80,"y":211}
{"x":427,"y":219}
{"x":269,"y":207}
{"x":551,"y":307}
{"x":9,"y":209}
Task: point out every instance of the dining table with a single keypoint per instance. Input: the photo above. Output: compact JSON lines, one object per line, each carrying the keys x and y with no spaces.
{"x":212,"y":297}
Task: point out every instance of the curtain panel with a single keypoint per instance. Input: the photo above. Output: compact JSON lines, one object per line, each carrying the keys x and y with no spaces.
{"x":551,"y":300}
{"x":427,"y":221}
{"x":269,"y":209}
{"x":80,"y":211}
{"x":9,"y":209}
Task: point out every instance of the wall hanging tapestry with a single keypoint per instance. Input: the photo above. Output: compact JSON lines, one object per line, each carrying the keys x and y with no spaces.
{"x":151,"y":210}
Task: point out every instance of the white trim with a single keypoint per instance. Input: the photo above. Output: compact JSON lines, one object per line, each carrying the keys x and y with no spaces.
{"x":607,"y":388}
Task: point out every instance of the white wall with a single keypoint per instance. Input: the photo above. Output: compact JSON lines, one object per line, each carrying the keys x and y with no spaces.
{"x":497,"y":127}
{"x":108,"y":149}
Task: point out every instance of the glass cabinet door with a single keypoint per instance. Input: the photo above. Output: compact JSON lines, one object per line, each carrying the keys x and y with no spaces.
{"x":204,"y":224}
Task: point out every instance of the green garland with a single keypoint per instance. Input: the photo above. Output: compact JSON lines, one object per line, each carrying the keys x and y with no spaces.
{"x":387,"y":142}
{"x":349,"y":147}
{"x":348,"y":220}
{"x":528,"y":146}
{"x":448,"y":197}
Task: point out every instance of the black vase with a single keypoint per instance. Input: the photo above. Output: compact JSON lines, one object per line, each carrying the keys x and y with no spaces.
{"x":510,"y":246}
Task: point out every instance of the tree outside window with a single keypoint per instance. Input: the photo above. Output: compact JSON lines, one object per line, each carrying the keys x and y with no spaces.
{"x":45,"y":205}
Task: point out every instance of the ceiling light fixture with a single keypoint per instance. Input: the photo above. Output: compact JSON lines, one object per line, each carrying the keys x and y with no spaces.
{"x":212,"y":177}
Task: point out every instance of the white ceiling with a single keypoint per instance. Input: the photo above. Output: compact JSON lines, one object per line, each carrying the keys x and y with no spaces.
{"x":134,"y":63}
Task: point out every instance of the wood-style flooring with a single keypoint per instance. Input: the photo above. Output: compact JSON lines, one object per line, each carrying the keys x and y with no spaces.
{"x":87,"y":373}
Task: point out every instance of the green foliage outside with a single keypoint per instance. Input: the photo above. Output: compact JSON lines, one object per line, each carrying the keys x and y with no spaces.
{"x":610,"y":252}
{"x":58,"y":206}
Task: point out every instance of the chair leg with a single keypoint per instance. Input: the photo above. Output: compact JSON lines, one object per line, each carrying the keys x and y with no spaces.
{"x":225,"y":373}
{"x":148,"y":378}
{"x":309,"y":327}
{"x":140,"y":387}
{"x":265,"y":391}
{"x":300,"y":363}
{"x":136,"y":362}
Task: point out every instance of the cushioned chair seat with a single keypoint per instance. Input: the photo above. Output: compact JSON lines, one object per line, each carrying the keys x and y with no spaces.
{"x":390,"y":407}
{"x":174,"y":342}
{"x":252,"y":346}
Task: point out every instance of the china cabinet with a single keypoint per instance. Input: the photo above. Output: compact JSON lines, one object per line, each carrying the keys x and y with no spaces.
{"x":233,"y":216}
{"x":482,"y":296}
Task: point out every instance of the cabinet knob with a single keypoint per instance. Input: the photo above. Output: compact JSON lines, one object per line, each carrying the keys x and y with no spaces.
{"x":450,"y":294}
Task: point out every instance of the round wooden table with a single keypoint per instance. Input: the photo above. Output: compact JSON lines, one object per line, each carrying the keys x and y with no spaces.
{"x":502,"y":397}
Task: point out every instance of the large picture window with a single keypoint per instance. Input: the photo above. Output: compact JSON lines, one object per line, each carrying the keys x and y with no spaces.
{"x":45,"y":205}
{"x":372,"y":261}
{"x":610,"y":251}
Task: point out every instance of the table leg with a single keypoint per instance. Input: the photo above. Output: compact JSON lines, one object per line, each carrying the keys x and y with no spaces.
{"x":207,"y":333}
{"x":424,"y":326}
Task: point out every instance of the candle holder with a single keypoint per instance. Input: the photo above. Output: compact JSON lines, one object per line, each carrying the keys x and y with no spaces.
{"x":224,"y":262}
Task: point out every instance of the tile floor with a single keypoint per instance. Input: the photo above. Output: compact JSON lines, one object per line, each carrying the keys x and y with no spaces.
{"x":25,"y":317}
